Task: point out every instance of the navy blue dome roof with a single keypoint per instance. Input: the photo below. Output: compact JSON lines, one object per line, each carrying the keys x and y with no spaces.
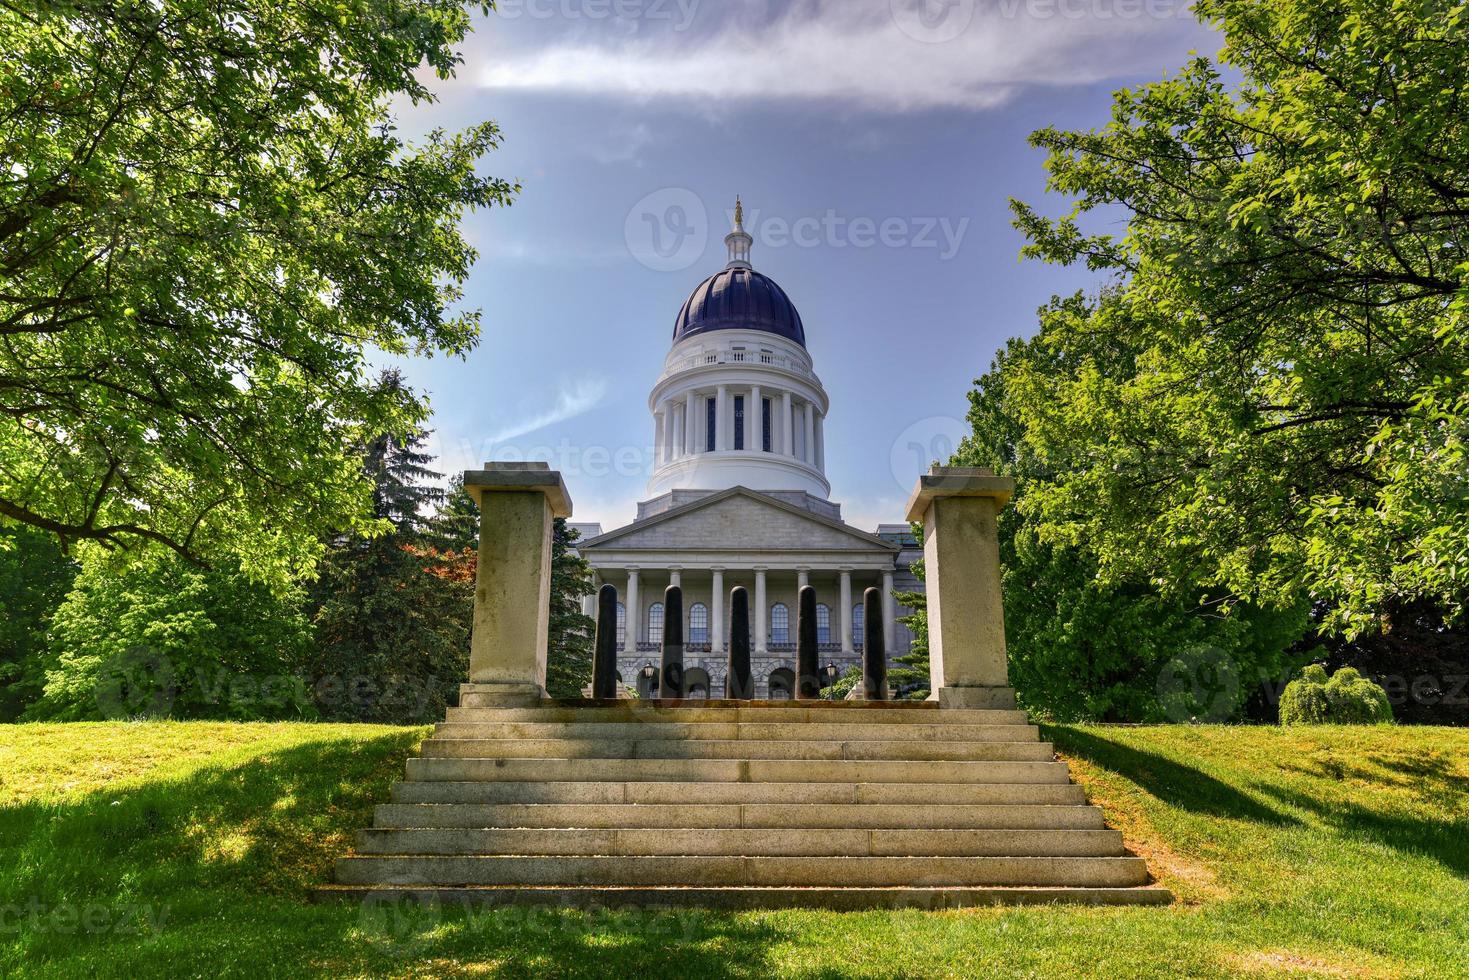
{"x":737,"y":298}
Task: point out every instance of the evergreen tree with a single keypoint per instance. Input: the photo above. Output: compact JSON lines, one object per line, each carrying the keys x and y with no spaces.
{"x":569,"y":657}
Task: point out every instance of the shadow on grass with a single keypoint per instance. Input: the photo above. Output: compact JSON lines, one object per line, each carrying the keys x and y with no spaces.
{"x":212,"y":872}
{"x":1172,"y":782}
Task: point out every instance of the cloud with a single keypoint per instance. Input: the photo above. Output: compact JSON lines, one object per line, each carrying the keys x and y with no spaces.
{"x":887,"y":55}
{"x":571,"y":400}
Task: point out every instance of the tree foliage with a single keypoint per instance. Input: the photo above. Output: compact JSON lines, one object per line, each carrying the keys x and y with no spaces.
{"x":1346,"y":698}
{"x":207,"y":219}
{"x":35,"y":577}
{"x":570,"y":636}
{"x":1274,"y":398}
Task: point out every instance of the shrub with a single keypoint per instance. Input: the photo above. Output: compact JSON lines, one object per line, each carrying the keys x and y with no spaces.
{"x":1347,"y":698}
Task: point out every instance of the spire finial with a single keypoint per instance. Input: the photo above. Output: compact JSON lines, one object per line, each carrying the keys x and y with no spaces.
{"x":739,"y":240}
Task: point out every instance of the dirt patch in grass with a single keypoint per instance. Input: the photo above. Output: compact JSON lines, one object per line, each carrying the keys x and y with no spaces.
{"x":1277,"y":962}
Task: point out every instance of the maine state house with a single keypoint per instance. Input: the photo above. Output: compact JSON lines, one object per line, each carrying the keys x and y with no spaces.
{"x":739,"y":496}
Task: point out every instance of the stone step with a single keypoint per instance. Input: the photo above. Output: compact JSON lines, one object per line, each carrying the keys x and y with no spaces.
{"x":641,"y":730}
{"x":780,"y":712}
{"x":680,"y":792}
{"x":1089,"y":872}
{"x":736,"y":770}
{"x":835,"y":899}
{"x":799,"y":749}
{"x":752,"y":843}
{"x":795,"y":816}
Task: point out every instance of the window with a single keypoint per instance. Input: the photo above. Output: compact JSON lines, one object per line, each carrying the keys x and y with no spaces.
{"x":711,"y":422}
{"x":765,"y":424}
{"x":739,"y":421}
{"x":857,"y":624}
{"x":780,"y":623}
{"x":621,"y":623}
{"x":823,"y":623}
{"x":698,"y":623}
{"x":655,"y":623}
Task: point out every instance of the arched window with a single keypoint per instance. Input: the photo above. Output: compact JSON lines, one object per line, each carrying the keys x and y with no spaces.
{"x":782,"y":684}
{"x":621,"y":623}
{"x":857,"y":624}
{"x":698,"y":623}
{"x":655,"y":623}
{"x":823,"y":623}
{"x":780,"y":623}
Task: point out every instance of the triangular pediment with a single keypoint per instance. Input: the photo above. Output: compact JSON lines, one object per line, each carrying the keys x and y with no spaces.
{"x":740,"y":519}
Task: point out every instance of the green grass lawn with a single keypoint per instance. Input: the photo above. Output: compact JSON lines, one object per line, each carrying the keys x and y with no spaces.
{"x":138,"y":850}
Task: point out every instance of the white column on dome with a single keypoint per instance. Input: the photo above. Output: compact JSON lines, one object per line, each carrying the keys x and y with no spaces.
{"x":846,"y":601}
{"x":690,"y":411}
{"x":757,"y":420}
{"x":658,"y":434}
{"x":889,"y":613}
{"x":762,"y":644}
{"x":716,"y":613}
{"x":630,"y":620}
{"x":820,"y":442}
{"x":721,"y":419}
{"x":675,"y":430}
{"x":787,"y":427}
{"x":808,"y":415}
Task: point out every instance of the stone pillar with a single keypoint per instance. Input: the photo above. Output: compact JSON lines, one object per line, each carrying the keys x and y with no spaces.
{"x":808,"y":681}
{"x":808,"y":415}
{"x":716,"y":613}
{"x":633,"y":604}
{"x":691,"y":423}
{"x":846,"y":604}
{"x":889,"y":611}
{"x":874,"y":651}
{"x":721,"y":419}
{"x":667,"y":455}
{"x":958,"y":507}
{"x":589,"y":605}
{"x":512,"y":580}
{"x":676,"y":427}
{"x":787,"y":427}
{"x":803,"y":579}
{"x":670,"y":676}
{"x":820,"y":443}
{"x":738,"y":682}
{"x":604,"y":645}
{"x":658,"y":435}
{"x":675,"y":576}
{"x":762,"y":637}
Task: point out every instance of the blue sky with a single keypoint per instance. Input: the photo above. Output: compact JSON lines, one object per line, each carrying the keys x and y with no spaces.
{"x":875,"y":144}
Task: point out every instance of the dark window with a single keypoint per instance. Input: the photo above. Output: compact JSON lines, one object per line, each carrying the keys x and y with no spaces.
{"x":765,"y":424}
{"x":710,"y":424}
{"x":739,"y":421}
{"x":621,"y":622}
{"x":823,"y":623}
{"x":780,"y":623}
{"x":698,"y":623}
{"x":655,"y":623}
{"x":857,"y":624}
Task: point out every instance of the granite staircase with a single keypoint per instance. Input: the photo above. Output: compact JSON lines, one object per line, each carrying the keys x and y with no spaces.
{"x":740,"y":805}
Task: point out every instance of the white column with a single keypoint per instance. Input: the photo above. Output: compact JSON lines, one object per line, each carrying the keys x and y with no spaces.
{"x":762,"y":641}
{"x":757,"y":406}
{"x":820,"y":443}
{"x":675,"y":576}
{"x":787,"y":427}
{"x":808,"y":416}
{"x":668,"y":430}
{"x":676,"y":431}
{"x":803,"y":579}
{"x":846,"y":601}
{"x":691,"y":423}
{"x":630,"y":603}
{"x":889,"y":613}
{"x":721,"y":419}
{"x":658,"y":434}
{"x":716,"y":614}
{"x":750,"y":419}
{"x":589,"y":605}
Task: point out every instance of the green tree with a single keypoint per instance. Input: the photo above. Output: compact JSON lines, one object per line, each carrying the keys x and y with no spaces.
{"x":148,"y":634}
{"x":1274,"y":398}
{"x":207,"y":220}
{"x":569,"y":646}
{"x":35,"y":577}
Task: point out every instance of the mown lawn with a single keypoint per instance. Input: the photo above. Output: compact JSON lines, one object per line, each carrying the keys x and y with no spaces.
{"x":187,"y":849}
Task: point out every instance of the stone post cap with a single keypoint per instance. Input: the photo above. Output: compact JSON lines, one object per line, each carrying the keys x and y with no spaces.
{"x":958,"y":481}
{"x":520,"y":477}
